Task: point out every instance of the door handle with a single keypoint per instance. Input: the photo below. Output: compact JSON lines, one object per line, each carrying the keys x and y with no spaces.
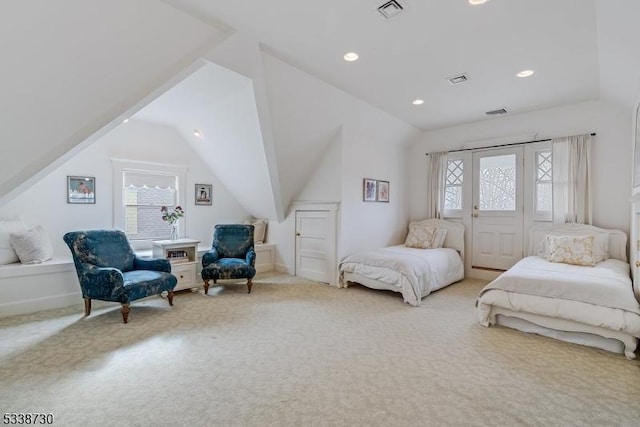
{"x":297,"y":233}
{"x":475,"y":215}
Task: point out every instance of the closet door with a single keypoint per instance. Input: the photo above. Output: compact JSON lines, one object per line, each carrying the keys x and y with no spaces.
{"x":313,"y":245}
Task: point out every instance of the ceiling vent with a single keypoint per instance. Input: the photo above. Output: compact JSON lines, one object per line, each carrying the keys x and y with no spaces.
{"x":460,"y":78}
{"x":496,"y":112}
{"x":390,"y":9}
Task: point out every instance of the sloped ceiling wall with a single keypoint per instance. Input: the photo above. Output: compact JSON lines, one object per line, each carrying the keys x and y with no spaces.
{"x":70,"y":68}
{"x":241,"y":53}
{"x":221,"y":105}
{"x":306,"y":114}
{"x":619,"y":50}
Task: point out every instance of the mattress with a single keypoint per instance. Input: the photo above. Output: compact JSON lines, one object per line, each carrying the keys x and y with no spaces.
{"x":415,"y":273}
{"x":600,"y":298}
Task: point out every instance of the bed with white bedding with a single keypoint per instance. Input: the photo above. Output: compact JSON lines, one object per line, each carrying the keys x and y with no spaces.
{"x":413,"y":272}
{"x":589,"y":305}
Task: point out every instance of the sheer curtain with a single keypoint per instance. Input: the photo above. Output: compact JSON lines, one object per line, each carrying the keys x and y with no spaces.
{"x":437,"y":168}
{"x":572,"y":179}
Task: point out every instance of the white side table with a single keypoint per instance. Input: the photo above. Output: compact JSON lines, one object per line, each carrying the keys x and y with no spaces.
{"x":183,"y":256}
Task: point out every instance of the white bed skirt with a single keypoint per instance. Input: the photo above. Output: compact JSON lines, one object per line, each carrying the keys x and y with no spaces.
{"x":369,"y":283}
{"x":566,"y":330}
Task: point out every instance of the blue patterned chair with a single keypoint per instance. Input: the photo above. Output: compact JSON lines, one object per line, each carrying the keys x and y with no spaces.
{"x":232,"y":255}
{"x":109,"y":270}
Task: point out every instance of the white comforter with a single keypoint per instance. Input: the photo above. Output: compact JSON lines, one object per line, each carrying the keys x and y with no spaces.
{"x":413,"y":272}
{"x":600,"y":296}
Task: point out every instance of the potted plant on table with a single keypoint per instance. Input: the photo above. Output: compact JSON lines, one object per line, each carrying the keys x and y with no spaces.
{"x":172,"y":218}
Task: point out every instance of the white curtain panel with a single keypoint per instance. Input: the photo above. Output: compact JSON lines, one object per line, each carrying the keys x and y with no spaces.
{"x":572,"y":198}
{"x":437,"y":168}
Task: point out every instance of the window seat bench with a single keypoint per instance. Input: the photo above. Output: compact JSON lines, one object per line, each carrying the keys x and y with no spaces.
{"x":27,"y":288}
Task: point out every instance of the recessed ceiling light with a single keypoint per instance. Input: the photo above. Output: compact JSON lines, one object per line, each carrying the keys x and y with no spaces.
{"x":125,"y":120}
{"x":351,"y":56}
{"x":477,"y":2}
{"x":197,"y":133}
{"x":525,"y":73}
{"x":417,"y":101}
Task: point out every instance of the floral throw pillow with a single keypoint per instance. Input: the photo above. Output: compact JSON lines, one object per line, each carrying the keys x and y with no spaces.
{"x":600,"y":245}
{"x":575,"y":250}
{"x":420,"y":237}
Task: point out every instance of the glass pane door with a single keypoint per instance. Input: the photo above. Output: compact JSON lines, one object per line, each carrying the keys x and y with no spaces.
{"x":497,"y":177}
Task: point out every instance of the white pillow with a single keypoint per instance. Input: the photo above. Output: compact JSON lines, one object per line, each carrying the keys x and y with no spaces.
{"x":600,"y":245}
{"x":441,"y":235}
{"x":7,"y":254}
{"x":575,"y":250}
{"x":259,"y":229}
{"x":32,"y":246}
{"x":420,"y":236}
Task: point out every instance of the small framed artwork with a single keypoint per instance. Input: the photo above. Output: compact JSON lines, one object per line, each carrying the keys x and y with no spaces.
{"x":203,"y":194}
{"x":383,"y":191}
{"x":369,"y":190}
{"x":81,"y":190}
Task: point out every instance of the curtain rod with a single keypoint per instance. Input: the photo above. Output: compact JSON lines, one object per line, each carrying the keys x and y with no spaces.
{"x":503,"y":145}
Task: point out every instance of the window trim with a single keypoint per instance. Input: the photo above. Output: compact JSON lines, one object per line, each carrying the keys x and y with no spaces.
{"x":541,"y":215}
{"x":122,"y":165}
{"x":453,"y":213}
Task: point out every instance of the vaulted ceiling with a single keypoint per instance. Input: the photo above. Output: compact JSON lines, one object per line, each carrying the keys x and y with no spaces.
{"x":74,"y":71}
{"x":412,"y":54}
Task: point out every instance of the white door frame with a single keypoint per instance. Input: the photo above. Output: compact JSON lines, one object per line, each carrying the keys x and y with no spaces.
{"x":332,"y":257}
{"x":498,"y":224}
{"x":465,"y":216}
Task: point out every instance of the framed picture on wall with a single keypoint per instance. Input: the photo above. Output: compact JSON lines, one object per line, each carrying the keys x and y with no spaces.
{"x":369,"y":190}
{"x":81,"y":190}
{"x":636,"y":150}
{"x":203,"y":194}
{"x":383,"y":191}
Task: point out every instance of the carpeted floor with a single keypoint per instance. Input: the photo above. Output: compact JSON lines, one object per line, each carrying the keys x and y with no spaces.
{"x":297,"y":353}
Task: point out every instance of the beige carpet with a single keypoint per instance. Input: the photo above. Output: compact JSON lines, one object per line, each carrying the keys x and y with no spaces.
{"x":296,"y":353}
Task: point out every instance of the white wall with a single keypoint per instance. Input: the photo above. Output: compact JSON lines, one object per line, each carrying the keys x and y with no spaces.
{"x":306,"y":114}
{"x":322,"y":136}
{"x":361,"y":225}
{"x":370,"y":150}
{"x":232,"y":142}
{"x":45,"y":202}
{"x":618,"y":35}
{"x":324,"y":184}
{"x":611,"y":151}
{"x":242,"y":53}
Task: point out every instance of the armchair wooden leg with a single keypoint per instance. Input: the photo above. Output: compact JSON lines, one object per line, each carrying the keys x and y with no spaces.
{"x":206,"y":286}
{"x":87,"y":306}
{"x":249,"y":285}
{"x":170,"y":297}
{"x":125,"y":312}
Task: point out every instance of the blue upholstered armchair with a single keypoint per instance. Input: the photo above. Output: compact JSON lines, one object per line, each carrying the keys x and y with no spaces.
{"x":232,"y":255}
{"x":109,"y":270}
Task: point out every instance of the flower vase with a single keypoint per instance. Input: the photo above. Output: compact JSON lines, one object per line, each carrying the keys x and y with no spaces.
{"x":174,"y":231}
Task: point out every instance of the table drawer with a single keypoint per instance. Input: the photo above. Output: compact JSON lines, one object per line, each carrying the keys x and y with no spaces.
{"x":186,"y":275}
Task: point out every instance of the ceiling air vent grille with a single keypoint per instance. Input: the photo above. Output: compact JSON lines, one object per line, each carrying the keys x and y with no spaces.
{"x":390,"y":9}
{"x":496,"y":112}
{"x":460,"y":78}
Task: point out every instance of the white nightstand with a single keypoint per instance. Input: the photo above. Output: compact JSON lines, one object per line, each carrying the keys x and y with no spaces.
{"x":183,"y":256}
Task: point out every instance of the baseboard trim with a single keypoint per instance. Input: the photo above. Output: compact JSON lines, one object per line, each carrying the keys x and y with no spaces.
{"x":283,"y":268}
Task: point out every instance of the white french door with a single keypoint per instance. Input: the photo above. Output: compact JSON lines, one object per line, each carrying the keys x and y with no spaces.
{"x":497,"y":214}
